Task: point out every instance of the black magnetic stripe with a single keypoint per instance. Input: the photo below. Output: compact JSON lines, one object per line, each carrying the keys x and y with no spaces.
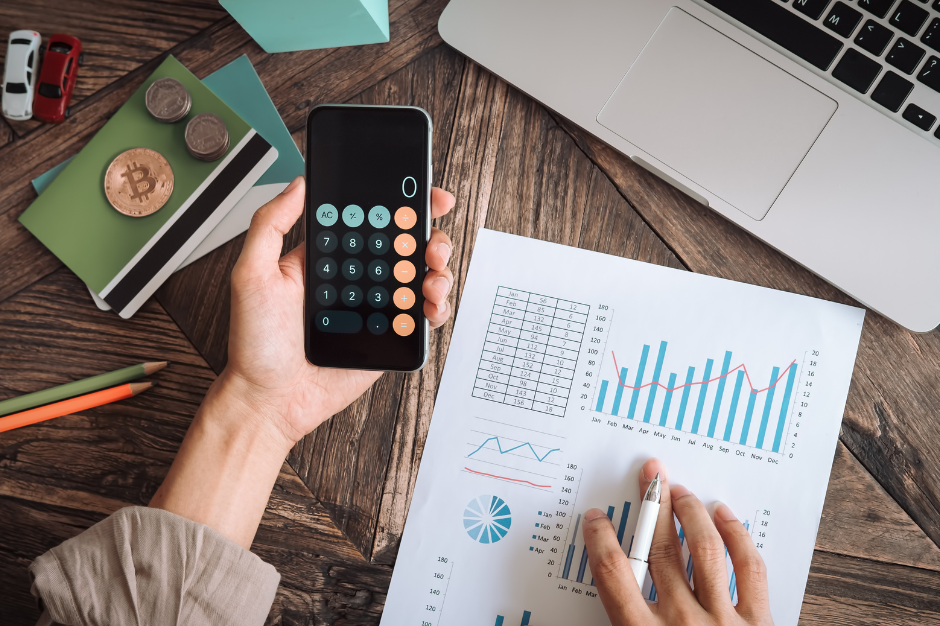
{"x":194,"y":217}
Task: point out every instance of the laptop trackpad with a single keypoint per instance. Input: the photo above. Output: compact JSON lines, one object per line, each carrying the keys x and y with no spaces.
{"x":717,"y":113}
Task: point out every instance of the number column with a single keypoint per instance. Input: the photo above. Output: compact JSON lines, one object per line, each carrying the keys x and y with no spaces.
{"x":534,"y":335}
{"x":561,"y":356}
{"x":500,"y":348}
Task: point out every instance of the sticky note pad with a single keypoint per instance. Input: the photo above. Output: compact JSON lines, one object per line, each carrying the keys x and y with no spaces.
{"x":289,"y":25}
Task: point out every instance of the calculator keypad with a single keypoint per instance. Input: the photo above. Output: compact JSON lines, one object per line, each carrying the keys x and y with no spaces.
{"x":371,"y":263}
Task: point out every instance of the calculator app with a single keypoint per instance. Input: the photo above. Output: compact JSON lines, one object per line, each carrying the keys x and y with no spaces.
{"x":367,"y":227}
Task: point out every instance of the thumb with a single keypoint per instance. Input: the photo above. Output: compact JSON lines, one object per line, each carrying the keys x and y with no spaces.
{"x":622,"y":598}
{"x":270,"y":223}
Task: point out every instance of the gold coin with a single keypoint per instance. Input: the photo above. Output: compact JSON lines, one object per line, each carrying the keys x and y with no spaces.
{"x":138,"y":182}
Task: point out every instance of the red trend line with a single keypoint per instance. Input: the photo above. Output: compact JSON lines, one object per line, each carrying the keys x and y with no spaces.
{"x":516,"y":480}
{"x":742,"y":366}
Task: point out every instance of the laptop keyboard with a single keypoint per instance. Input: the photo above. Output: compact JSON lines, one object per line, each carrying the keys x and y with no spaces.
{"x":880,"y":49}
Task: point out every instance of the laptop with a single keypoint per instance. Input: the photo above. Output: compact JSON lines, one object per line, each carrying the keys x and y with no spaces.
{"x":810,"y":123}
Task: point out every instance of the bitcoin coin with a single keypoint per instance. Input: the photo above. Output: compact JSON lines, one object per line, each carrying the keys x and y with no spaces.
{"x":168,"y":100}
{"x":207,"y":138}
{"x":138,"y":182}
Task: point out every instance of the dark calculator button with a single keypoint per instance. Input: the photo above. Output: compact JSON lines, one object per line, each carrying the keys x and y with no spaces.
{"x":326,"y":241}
{"x":909,"y":17}
{"x":338,"y":322}
{"x":326,"y":268}
{"x":377,"y":324}
{"x":874,"y":37}
{"x":930,"y":74}
{"x":936,"y":5}
{"x":878,"y":7}
{"x":379,"y":244}
{"x":904,"y":55}
{"x":919,"y":117}
{"x":378,"y":270}
{"x":812,"y":8}
{"x":352,"y":269}
{"x":351,"y":295}
{"x":931,"y":36}
{"x":789,"y":31}
{"x":842,"y":19}
{"x":353,"y":243}
{"x":377,"y":297}
{"x":892,"y":91}
{"x":326,"y":295}
{"x":856,"y":70}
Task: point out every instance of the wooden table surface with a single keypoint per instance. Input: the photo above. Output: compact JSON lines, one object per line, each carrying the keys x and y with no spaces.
{"x":336,"y":515}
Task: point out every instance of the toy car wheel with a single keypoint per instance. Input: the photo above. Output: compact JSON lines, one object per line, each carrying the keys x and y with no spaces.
{"x":68,"y":112}
{"x":81,"y":59}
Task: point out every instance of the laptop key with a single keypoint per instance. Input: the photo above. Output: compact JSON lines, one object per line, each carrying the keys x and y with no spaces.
{"x":905,"y":56}
{"x":931,"y":36}
{"x":811,"y":8}
{"x":909,"y":17}
{"x":842,"y":19}
{"x":918,"y":117}
{"x":892,"y":91}
{"x":856,"y":70}
{"x":791,"y":32}
{"x":877,"y":7}
{"x":874,"y":37}
{"x":930,"y":73}
{"x":936,"y":5}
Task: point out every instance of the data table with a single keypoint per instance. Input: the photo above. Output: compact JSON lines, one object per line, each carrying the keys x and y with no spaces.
{"x":531,"y":350}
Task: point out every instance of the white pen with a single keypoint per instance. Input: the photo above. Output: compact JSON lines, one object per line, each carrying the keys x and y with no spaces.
{"x":645,"y":526}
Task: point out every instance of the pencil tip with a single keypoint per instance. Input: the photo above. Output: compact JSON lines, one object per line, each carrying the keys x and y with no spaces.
{"x":136,"y":388}
{"x":154,"y":366}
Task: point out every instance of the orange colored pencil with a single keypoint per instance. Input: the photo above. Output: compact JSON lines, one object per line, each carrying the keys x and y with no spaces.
{"x":72,"y":405}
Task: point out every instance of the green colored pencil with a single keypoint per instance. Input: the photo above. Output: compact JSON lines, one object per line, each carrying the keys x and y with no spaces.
{"x":80,"y":387}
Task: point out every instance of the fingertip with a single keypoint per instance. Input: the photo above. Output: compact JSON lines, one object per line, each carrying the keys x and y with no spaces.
{"x":724,"y":513}
{"x":678,"y":491}
{"x":294,"y":184}
{"x":652,"y":467}
{"x":594,"y":514}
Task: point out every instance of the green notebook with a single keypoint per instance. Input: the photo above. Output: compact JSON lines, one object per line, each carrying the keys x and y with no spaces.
{"x":125,"y":259}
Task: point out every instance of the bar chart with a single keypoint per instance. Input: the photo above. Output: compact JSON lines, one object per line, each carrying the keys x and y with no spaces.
{"x":729,"y":403}
{"x":526,"y":616}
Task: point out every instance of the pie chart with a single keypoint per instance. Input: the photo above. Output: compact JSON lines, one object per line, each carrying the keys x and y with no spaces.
{"x":487,"y":519}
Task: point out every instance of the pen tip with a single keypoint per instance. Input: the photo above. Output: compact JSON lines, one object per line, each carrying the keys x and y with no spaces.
{"x":656,"y":477}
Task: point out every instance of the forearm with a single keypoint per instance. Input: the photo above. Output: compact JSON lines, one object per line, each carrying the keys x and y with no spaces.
{"x":226,"y":466}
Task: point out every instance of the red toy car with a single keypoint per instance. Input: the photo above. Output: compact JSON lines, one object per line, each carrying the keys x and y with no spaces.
{"x":57,"y":78}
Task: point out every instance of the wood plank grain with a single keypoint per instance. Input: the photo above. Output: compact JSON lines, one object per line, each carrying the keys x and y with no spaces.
{"x":116,"y":39}
{"x":61,"y":476}
{"x":468,"y":173}
{"x":6,"y":133}
{"x":889,"y":424}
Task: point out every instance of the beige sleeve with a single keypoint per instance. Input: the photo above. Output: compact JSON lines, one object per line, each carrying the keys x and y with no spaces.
{"x":144,"y":566}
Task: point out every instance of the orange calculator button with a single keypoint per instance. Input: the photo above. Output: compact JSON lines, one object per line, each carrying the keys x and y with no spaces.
{"x":405,"y":244}
{"x":403,"y":325}
{"x":404,"y":298}
{"x":405,"y":218}
{"x":404,"y":271}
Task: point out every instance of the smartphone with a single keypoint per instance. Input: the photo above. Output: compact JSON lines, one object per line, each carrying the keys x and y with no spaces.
{"x":367,"y":220}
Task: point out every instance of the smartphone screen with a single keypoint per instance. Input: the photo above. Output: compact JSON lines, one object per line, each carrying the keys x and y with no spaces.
{"x":367,"y":226}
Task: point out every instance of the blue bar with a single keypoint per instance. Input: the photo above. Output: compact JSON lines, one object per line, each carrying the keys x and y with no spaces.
{"x":670,"y":386}
{"x":783,"y":409}
{"x":623,"y":522}
{"x":734,"y":404}
{"x":582,"y":565}
{"x":499,"y":620}
{"x":657,"y":370}
{"x":701,"y":396}
{"x":720,"y":393}
{"x":767,"y":402}
{"x":619,"y":394}
{"x":574,"y":537}
{"x":632,"y":537}
{"x":751,"y":400}
{"x":688,"y":568}
{"x":639,"y":381}
{"x":567,"y":570}
{"x":685,"y":397}
{"x":652,"y":593}
{"x":525,"y":618}
{"x":600,"y":397}
{"x":681,"y":535}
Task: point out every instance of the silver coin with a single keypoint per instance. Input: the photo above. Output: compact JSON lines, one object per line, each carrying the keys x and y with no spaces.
{"x":168,"y":100}
{"x":207,"y":137}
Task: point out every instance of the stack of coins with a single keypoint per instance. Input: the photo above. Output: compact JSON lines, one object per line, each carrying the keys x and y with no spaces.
{"x":168,"y":100}
{"x":207,"y":137}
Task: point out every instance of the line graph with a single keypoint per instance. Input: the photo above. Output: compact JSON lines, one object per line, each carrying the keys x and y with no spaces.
{"x":515,"y":480}
{"x":522,"y":445}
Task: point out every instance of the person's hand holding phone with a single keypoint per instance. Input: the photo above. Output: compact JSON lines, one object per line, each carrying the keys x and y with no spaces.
{"x":266,"y":342}
{"x":707,"y":536}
